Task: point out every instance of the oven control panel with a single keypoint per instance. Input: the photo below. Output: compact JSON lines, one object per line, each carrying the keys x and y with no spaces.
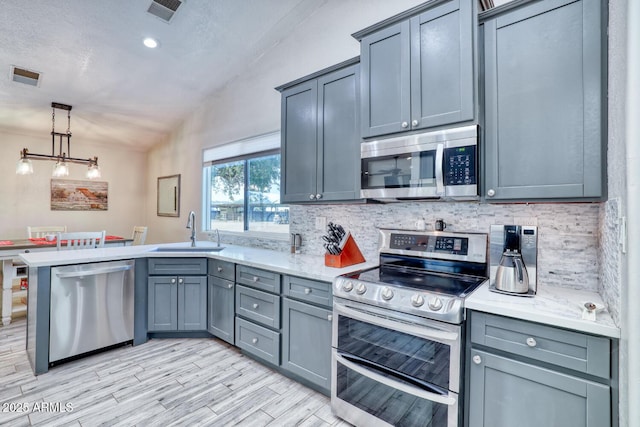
{"x":429,"y":243}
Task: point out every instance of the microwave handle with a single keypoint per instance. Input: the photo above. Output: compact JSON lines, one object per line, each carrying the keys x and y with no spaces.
{"x":439,"y":170}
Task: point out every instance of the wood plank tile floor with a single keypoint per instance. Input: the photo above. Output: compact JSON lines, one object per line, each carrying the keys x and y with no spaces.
{"x":165,"y":382}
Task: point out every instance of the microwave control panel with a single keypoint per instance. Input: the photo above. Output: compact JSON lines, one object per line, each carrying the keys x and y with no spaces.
{"x":460,"y":165}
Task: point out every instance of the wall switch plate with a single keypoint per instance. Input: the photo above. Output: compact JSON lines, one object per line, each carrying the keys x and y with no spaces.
{"x":321,"y":223}
{"x":525,"y":220}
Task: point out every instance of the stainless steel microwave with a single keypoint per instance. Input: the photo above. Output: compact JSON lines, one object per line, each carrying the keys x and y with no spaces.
{"x":440,"y":164}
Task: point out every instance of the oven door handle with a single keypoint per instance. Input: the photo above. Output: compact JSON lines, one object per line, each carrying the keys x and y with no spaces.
{"x":420,"y":331}
{"x":415,"y":391}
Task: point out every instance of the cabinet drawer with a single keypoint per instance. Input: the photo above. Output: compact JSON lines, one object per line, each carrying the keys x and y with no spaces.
{"x":178,"y":266}
{"x":569,"y":349}
{"x":222,"y":269}
{"x":257,"y":278}
{"x":307,"y":290}
{"x":258,"y":306}
{"x":258,"y":341}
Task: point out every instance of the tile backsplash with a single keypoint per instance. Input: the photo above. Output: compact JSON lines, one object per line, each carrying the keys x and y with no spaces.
{"x":568,"y":233}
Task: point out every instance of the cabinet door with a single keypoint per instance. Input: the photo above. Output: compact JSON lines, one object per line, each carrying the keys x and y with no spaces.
{"x":299,"y":150}
{"x":192,"y":303}
{"x":442,"y":65}
{"x":385,"y":89}
{"x":338,"y":153}
{"x":163,"y":303}
{"x":306,"y":342}
{"x":543,"y":101}
{"x":221,"y":309}
{"x":507,"y":393}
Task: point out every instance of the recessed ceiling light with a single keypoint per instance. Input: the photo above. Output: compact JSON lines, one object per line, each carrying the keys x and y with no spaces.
{"x":150,"y":43}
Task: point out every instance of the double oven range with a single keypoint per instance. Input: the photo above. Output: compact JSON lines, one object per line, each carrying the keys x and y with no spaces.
{"x":398,"y":330}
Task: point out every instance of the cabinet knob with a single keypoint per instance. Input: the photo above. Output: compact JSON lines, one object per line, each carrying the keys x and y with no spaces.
{"x":477,"y":359}
{"x":414,"y":123}
{"x":256,"y":278}
{"x":318,"y":196}
{"x":255,"y":340}
{"x":255,"y":306}
{"x":330,"y":317}
{"x":531,"y":342}
{"x":312,"y":196}
{"x":230,"y":285}
{"x":491,"y":192}
{"x":307,"y":291}
{"x":180,"y":280}
{"x":173,"y":280}
{"x":219,"y":269}
{"x":404,"y":124}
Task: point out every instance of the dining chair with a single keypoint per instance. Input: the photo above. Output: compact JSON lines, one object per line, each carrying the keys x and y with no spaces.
{"x":80,"y":240}
{"x":139,"y":235}
{"x":33,"y":232}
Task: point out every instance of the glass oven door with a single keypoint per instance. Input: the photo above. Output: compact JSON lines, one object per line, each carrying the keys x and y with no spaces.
{"x":395,"y":368}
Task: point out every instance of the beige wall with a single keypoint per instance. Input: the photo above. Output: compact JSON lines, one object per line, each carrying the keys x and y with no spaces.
{"x":25,"y":200}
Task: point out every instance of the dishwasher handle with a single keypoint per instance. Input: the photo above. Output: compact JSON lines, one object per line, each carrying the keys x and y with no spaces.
{"x":95,"y":271}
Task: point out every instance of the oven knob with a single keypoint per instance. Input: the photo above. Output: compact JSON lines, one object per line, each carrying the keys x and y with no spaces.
{"x":417,"y":300}
{"x":387,"y":294}
{"x":347,"y":286}
{"x":435,"y":303}
{"x":361,"y":289}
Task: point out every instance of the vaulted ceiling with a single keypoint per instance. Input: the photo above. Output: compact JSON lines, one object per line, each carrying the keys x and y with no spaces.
{"x":90,"y":55}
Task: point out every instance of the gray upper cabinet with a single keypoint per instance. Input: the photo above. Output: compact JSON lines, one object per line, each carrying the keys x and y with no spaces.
{"x":418,"y":73}
{"x":544,"y":77}
{"x":320,"y":136}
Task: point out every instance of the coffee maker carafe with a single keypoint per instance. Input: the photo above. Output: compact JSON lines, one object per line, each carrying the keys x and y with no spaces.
{"x":513,"y":259}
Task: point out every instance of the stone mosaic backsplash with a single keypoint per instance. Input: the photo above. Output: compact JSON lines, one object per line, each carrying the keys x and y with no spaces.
{"x":568,"y":233}
{"x":610,"y":258}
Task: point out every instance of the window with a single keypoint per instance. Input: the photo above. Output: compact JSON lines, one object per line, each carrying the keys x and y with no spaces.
{"x":242,"y":191}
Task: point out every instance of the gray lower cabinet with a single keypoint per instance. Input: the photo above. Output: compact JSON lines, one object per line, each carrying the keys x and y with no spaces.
{"x":418,"y":72}
{"x":306,"y":341}
{"x":306,"y":330}
{"x":177,"y":294}
{"x":530,"y":375}
{"x":544,"y":100}
{"x":320,"y":136}
{"x":177,"y":303}
{"x":221,"y":310}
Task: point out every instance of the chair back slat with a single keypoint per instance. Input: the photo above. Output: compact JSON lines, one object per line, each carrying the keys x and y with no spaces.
{"x":81,"y":240}
{"x":34,"y":232}
{"x":139,"y":235}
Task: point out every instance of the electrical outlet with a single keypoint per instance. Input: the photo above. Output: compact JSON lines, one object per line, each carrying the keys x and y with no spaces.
{"x":525,"y":220}
{"x":321,"y":223}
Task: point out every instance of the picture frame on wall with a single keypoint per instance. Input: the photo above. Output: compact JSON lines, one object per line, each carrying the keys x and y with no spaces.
{"x":76,"y":195}
{"x":169,"y":196}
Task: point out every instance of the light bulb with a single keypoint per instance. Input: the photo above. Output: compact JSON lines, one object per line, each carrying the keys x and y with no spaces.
{"x":60,"y":169}
{"x":93,"y":172}
{"x":24,"y":167}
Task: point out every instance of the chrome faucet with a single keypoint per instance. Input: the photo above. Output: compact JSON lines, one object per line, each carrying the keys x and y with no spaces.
{"x":218,"y":237}
{"x":191,"y":223}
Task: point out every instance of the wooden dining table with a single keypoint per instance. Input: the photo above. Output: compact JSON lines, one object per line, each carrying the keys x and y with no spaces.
{"x":11,"y":248}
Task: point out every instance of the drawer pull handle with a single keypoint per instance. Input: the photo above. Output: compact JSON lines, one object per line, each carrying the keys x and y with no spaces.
{"x":256,"y":278}
{"x":255,"y":306}
{"x":531,"y":342}
{"x":477,"y":359}
{"x":307,"y":291}
{"x":330,"y":317}
{"x":219,"y":269}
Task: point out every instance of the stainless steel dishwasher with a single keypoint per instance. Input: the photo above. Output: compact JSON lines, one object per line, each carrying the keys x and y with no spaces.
{"x":91,"y":307}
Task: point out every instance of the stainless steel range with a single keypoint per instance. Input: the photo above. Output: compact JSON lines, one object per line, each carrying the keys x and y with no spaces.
{"x":398,"y":330}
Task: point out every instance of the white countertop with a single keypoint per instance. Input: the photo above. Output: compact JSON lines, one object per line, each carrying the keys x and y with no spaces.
{"x":308,"y":266}
{"x":551,"y":305}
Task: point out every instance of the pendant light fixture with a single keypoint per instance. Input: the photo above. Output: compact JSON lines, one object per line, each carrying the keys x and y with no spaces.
{"x":62,"y":158}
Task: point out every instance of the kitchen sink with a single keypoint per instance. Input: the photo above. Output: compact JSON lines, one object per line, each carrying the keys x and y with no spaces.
{"x":189,"y":249}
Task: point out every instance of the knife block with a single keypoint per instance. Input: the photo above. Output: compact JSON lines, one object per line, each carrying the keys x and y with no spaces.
{"x":350,"y":254}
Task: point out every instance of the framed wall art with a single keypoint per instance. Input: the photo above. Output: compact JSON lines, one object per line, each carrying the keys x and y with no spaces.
{"x":72,"y":195}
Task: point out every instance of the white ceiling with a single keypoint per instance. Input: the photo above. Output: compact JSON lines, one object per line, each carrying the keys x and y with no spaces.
{"x":91,"y":56}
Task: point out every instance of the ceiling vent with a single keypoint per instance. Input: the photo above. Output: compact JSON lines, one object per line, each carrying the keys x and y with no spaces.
{"x":22,"y":75}
{"x":164,"y":9}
